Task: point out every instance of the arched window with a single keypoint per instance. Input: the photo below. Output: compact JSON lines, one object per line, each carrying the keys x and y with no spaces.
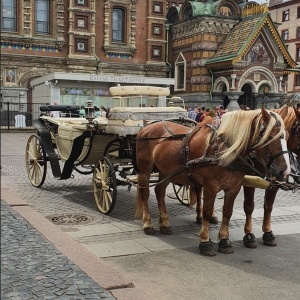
{"x":118,"y":23}
{"x":9,"y":15}
{"x":172,"y":15}
{"x":188,"y":13}
{"x":42,"y":13}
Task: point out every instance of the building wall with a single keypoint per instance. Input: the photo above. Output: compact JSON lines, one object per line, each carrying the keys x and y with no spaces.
{"x":198,"y":40}
{"x":277,"y":9}
{"x":30,"y":56}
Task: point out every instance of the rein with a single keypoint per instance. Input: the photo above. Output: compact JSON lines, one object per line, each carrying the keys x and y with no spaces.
{"x":185,"y":149}
{"x":172,"y":136}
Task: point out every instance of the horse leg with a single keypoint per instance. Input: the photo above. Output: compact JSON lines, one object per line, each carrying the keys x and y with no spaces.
{"x":205,"y":245}
{"x":142,"y":203}
{"x":249,"y":238}
{"x":199,"y":208}
{"x":224,"y":243}
{"x":160,"y":192}
{"x":197,"y":193}
{"x":268,"y":236}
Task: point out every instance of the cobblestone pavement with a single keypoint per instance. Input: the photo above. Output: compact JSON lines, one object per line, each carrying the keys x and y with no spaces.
{"x":75,"y":196}
{"x":31,"y":268}
{"x":101,"y":234}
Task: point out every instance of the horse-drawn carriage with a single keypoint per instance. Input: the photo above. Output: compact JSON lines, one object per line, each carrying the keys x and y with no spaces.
{"x":182,"y":152}
{"x":100,"y":146}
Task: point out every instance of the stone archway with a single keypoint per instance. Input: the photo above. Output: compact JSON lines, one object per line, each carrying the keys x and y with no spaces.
{"x":25,"y":81}
{"x":221,"y":85}
{"x":270,"y":78}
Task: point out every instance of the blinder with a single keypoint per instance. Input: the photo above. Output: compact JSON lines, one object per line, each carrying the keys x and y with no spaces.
{"x":272,"y":158}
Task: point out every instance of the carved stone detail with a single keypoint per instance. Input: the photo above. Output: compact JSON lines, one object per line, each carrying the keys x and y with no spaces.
{"x":200,"y":25}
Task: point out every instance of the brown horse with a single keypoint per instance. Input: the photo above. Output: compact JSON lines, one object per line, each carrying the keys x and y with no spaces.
{"x":292,"y":125}
{"x":204,"y":156}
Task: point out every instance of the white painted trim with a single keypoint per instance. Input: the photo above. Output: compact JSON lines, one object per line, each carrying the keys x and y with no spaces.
{"x":123,"y":80}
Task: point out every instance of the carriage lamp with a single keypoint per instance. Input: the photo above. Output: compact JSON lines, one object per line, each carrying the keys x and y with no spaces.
{"x":89,"y":110}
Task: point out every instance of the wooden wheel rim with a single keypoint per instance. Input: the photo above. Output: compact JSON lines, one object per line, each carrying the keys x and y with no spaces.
{"x":182,"y":193}
{"x":104,"y":185}
{"x":36,"y":164}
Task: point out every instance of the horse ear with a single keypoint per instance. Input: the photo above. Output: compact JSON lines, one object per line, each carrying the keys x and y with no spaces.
{"x":284,"y":111}
{"x":265,"y":115}
{"x":297,"y":113}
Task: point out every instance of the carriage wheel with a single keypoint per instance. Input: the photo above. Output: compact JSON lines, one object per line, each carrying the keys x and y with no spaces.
{"x":36,"y":163}
{"x":105,"y":185}
{"x":182,"y":193}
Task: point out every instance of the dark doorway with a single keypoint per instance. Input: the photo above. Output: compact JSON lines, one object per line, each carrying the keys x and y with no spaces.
{"x":247,"y":99}
{"x":225,"y":101}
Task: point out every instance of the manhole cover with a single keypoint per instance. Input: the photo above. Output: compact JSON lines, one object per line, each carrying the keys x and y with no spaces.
{"x":73,"y":219}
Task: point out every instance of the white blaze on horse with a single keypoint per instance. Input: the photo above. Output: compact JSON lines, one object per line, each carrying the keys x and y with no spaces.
{"x":203,"y":157}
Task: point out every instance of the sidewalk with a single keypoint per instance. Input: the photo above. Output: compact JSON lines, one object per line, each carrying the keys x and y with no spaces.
{"x":32,"y":268}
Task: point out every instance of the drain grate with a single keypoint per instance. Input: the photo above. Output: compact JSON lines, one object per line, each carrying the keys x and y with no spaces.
{"x":70,"y":219}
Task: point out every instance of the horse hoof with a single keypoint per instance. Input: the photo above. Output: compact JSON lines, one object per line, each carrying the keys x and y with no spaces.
{"x":225,"y":246}
{"x":250,"y":241}
{"x":149,"y":231}
{"x":214,"y":220}
{"x":199,"y":220}
{"x":206,"y":249}
{"x":165,"y":230}
{"x":269,"y":239}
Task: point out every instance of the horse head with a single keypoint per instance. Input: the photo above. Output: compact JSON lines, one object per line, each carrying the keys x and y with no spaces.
{"x":271,"y":145}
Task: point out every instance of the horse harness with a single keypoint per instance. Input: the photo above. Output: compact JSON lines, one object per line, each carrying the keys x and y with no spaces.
{"x":272,"y":158}
{"x":296,"y":130}
{"x":246,"y":165}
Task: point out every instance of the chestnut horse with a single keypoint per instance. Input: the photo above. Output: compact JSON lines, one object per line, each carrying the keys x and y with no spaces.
{"x":292,"y":125}
{"x":203,"y":156}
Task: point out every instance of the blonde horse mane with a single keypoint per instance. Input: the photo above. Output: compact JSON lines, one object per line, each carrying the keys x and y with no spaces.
{"x":235,"y":131}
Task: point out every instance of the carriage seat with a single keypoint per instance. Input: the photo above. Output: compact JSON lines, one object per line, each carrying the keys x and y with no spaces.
{"x":65,"y":121}
{"x":78,"y":123}
{"x":138,"y":90}
{"x":129,"y":120}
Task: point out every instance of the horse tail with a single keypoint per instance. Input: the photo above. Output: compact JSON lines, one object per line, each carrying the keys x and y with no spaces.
{"x":193,"y":197}
{"x":139,"y":204}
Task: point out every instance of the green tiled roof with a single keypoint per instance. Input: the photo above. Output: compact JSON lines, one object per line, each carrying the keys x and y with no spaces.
{"x":242,"y":37}
{"x":237,"y":39}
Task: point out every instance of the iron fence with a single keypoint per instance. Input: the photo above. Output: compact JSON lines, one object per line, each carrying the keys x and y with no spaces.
{"x":19,"y":116}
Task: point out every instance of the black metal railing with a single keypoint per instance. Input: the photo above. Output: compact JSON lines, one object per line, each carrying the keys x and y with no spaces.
{"x":20,"y":116}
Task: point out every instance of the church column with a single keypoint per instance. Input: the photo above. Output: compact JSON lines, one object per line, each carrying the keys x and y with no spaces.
{"x":280,"y":84}
{"x":233,"y":77}
{"x":233,"y":100}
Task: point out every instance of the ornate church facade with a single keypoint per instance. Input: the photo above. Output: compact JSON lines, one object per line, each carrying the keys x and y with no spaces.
{"x":228,"y":52}
{"x":209,"y":52}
